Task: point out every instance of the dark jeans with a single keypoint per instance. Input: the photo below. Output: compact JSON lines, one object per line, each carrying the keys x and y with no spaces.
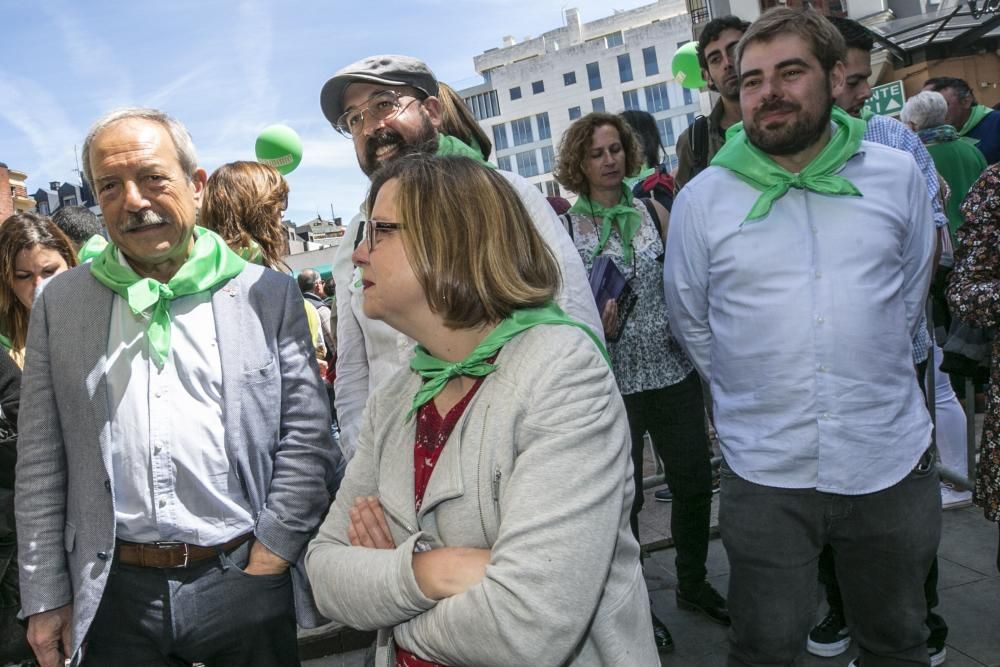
{"x":674,"y":417}
{"x":213,"y":613}
{"x":885,"y":543}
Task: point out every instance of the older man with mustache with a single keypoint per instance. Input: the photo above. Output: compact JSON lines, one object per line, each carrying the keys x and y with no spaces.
{"x":175,"y":455}
{"x":388,"y":106}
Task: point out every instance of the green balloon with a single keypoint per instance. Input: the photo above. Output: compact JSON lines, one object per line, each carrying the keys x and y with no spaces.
{"x":685,"y":66}
{"x":280,"y":147}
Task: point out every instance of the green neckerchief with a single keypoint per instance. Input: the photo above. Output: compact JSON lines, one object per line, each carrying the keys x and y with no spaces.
{"x":866,"y":114}
{"x":210,"y":263}
{"x":622,"y":214}
{"x":252,"y":253}
{"x":6,"y":342}
{"x":437,"y":373}
{"x":91,"y":248}
{"x":641,"y":176}
{"x":976,"y":114}
{"x":758,"y":170}
{"x":449,"y":145}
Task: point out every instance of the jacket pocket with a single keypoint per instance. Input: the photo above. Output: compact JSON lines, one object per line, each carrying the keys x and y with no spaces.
{"x":69,"y":537}
{"x":262,"y":371}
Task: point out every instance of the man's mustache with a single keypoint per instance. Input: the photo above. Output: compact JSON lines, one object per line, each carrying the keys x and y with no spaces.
{"x":146,"y":218}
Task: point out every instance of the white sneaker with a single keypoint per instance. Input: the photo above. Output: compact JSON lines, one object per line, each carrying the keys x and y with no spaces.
{"x":936,"y":658}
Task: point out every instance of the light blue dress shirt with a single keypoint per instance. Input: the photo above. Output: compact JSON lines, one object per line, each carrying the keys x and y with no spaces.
{"x":803,"y":322}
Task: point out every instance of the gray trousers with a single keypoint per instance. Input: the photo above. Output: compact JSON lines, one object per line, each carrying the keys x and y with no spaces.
{"x":884,"y":542}
{"x":212,"y":613}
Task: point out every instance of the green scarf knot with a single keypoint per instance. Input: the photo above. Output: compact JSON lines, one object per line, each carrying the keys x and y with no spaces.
{"x":437,"y":372}
{"x":976,"y":114}
{"x":622,"y":215}
{"x":449,"y":145}
{"x":758,"y":170}
{"x":210,"y":263}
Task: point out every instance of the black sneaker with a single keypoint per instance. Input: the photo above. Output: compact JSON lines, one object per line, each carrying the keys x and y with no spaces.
{"x":937,"y":654}
{"x":664,"y":495}
{"x":706,"y":600}
{"x":664,"y":642}
{"x":830,"y":637}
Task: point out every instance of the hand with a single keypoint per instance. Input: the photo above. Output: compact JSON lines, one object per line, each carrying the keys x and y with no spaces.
{"x":264,"y":561}
{"x":609,"y":318}
{"x":367,"y":527}
{"x":49,"y":635}
{"x":448,"y":571}
{"x":322,"y":367}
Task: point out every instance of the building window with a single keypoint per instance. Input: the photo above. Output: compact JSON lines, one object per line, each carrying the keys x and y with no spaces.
{"x":666,"y":129}
{"x":521,"y":129}
{"x":614,"y":39}
{"x":631,"y":100}
{"x":69,"y":201}
{"x":537,"y":87}
{"x":574,"y":113}
{"x":527,"y":163}
{"x":649,"y":61}
{"x":624,"y":68}
{"x":688,"y":96}
{"x":544,"y":130}
{"x":552,"y":189}
{"x":43,"y":207}
{"x":485,"y":105}
{"x":597,"y":104}
{"x":569,"y":78}
{"x":504,"y":163}
{"x":594,"y":75}
{"x":500,"y":137}
{"x":515,"y":93}
{"x":656,"y":97}
{"x":548,"y":159}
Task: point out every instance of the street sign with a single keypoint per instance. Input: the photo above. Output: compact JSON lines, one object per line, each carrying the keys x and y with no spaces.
{"x":887,"y":99}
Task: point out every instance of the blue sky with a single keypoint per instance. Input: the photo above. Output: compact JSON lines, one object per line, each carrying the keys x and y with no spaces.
{"x":228,"y":69}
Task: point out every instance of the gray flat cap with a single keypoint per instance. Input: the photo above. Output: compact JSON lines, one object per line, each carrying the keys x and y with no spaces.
{"x":388,"y":70}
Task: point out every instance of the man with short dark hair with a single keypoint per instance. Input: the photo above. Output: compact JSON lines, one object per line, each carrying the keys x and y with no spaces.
{"x":699,"y":143}
{"x":175,"y":454}
{"x":83,"y":228}
{"x":973,"y":120}
{"x":312,"y":286}
{"x":797,"y":296}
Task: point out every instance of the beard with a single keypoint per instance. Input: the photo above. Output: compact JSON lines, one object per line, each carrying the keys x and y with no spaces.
{"x":730,"y":89}
{"x":795,"y":136}
{"x":425,"y":141}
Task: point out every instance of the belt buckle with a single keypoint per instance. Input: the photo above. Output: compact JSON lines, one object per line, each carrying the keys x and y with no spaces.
{"x":171,"y":545}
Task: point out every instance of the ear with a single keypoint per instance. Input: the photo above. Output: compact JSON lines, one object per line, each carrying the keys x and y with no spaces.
{"x":198,"y":185}
{"x":838,"y":79}
{"x":432,"y":106}
{"x":707,"y":78}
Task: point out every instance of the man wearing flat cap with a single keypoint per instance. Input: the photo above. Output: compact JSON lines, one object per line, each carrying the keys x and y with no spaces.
{"x":388,"y":106}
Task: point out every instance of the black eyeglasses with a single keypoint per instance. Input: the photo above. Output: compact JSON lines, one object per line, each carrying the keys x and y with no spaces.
{"x":384,"y":105}
{"x":374,"y":227}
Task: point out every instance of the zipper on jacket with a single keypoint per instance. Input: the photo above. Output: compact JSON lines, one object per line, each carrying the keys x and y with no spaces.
{"x":497,"y":473}
{"x":479,"y":475}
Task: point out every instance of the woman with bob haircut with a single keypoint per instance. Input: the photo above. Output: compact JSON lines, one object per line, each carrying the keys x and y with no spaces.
{"x":243,"y":203}
{"x":484,"y":517}
{"x":661,"y":390}
{"x":32,"y":249}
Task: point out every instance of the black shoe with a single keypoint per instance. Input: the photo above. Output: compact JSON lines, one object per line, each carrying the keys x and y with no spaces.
{"x":664,"y":642}
{"x":830,"y":637}
{"x":706,"y":600}
{"x":664,"y":495}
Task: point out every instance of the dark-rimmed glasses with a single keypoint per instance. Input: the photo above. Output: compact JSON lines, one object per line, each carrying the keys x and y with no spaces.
{"x":381,"y":106}
{"x":373,"y":227}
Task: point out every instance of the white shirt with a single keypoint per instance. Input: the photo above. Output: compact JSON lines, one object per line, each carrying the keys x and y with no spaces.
{"x":369,"y":351}
{"x":803,"y":322}
{"x":171,"y":474}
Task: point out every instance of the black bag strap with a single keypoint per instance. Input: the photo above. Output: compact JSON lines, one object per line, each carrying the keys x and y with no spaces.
{"x":656,"y":221}
{"x":699,"y":144}
{"x":568,"y":224}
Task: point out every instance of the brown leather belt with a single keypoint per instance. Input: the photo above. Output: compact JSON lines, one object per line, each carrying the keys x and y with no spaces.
{"x":168,"y":555}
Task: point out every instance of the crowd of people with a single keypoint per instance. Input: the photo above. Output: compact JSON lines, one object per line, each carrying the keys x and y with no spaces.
{"x":200,"y":453}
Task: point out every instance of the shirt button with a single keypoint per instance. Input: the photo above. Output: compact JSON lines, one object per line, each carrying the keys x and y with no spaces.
{"x":820,"y":319}
{"x":819,"y":274}
{"x":826,"y":415}
{"x":157,"y":394}
{"x":107,"y":484}
{"x":102,"y":555}
{"x":823,"y":369}
{"x":163,"y":502}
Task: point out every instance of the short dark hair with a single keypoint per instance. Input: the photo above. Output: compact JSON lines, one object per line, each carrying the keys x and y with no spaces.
{"x":825,"y":42}
{"x":713,"y":29}
{"x":78,"y":222}
{"x":644,"y":126}
{"x":855,"y":35}
{"x":307,"y":280}
{"x":960,"y":86}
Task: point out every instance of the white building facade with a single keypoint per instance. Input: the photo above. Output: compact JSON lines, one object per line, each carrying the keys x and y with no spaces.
{"x":534,"y":90}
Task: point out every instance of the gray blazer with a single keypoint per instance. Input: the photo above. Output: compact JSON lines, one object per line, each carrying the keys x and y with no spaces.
{"x":538,"y":470}
{"x":277,"y":435}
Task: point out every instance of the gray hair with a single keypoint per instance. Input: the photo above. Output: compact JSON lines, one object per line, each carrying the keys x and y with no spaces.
{"x":924,"y":110}
{"x":186,"y":155}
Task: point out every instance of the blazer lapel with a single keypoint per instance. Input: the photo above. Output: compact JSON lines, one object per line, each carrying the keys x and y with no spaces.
{"x":227,"y":308}
{"x":96,"y":303}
